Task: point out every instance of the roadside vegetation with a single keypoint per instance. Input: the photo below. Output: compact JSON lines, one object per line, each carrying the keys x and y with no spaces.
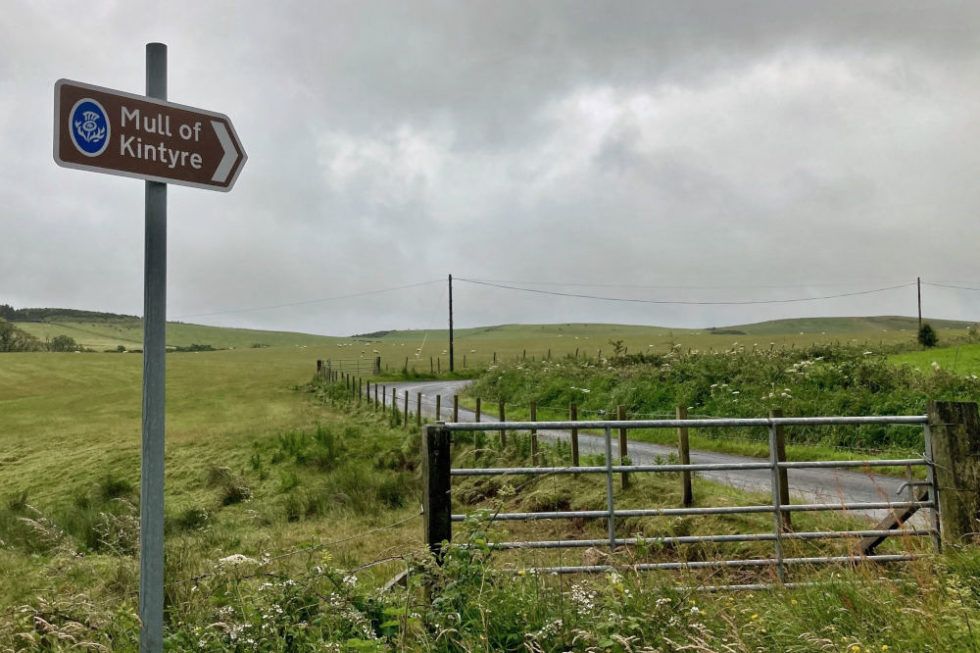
{"x":737,"y":382}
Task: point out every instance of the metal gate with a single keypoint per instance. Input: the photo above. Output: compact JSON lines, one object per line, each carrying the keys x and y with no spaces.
{"x":439,"y":516}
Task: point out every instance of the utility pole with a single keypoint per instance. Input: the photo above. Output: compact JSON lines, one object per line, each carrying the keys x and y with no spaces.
{"x":451,"y":363}
{"x":918,"y":287}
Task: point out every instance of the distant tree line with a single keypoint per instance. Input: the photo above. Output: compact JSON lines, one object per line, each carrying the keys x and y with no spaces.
{"x":12,"y":314}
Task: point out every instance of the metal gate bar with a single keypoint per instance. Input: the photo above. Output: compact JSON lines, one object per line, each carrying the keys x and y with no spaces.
{"x":674,"y":468}
{"x":693,"y":539}
{"x":721,"y":510}
{"x":719,"y":564}
{"x":777,"y":508}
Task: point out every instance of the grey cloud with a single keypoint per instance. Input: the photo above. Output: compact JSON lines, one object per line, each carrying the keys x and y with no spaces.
{"x":697,"y":143}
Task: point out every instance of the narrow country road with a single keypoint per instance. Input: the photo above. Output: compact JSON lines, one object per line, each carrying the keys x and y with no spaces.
{"x":806,"y":485}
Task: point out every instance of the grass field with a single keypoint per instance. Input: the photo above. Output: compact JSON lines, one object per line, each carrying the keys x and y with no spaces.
{"x":958,"y":359}
{"x":69,"y":448}
{"x":73,"y":416}
{"x":307,"y":491}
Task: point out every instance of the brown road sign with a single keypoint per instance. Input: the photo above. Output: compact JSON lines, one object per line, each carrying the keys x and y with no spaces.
{"x":103,"y":130}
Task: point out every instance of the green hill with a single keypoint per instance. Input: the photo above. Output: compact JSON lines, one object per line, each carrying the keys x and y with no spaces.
{"x":846,"y":325}
{"x":107,"y":331}
{"x":102,"y":331}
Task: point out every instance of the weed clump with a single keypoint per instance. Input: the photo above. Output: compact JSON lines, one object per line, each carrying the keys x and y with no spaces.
{"x":233,"y":489}
{"x":194,"y":518}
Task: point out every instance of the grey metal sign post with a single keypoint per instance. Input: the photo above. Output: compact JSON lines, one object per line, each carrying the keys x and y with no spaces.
{"x":154,"y":381}
{"x":102,"y":130}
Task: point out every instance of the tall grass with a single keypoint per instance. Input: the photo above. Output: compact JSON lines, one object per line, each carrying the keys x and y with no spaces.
{"x":739,"y":382}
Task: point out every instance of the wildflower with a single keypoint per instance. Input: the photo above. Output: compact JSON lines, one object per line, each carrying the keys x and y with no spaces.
{"x":754,"y":617}
{"x":854,"y":648}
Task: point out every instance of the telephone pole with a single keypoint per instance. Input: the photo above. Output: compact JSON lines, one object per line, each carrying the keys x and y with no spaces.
{"x":918,"y":288}
{"x":451,"y":362}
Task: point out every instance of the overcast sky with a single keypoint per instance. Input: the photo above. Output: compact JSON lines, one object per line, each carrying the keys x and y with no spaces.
{"x":693,"y":151}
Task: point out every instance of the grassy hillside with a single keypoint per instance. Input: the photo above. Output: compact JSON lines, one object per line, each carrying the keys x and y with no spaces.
{"x":475,"y":347}
{"x":478,"y":345}
{"x":848,"y":325}
{"x":128,"y":332}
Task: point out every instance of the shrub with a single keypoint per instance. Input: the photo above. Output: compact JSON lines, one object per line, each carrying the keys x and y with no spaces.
{"x":193,"y":519}
{"x":927,"y":335}
{"x":113,"y":487}
{"x":393,"y":491}
{"x":116,"y":530}
{"x":236,"y":491}
{"x":63,"y":343}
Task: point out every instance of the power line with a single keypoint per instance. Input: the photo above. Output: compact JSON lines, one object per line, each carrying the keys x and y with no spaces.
{"x":949,"y":285}
{"x":684,"y":302}
{"x":666,"y":287}
{"x":311,"y":301}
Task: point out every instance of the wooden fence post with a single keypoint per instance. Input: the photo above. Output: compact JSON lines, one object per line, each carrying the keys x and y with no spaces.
{"x":534,"y":434}
{"x":623,"y":442}
{"x":377,"y":365}
{"x":406,"y":409}
{"x":478,"y":409}
{"x":360,"y":390}
{"x":432,"y":367}
{"x":436,"y":496}
{"x":418,"y":409}
{"x":684,"y":453}
{"x":783,"y":473}
{"x":456,"y":408}
{"x":573,"y":416}
{"x":319,"y":367}
{"x":438,"y":365}
{"x":954,"y":428}
{"x":384,"y":397}
{"x":503,"y":418}
{"x":376,"y":396}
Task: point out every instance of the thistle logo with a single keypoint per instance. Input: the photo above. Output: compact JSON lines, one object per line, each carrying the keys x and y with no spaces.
{"x":89,"y":127}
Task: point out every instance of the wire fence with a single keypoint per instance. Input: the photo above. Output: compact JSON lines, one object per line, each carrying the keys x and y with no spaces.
{"x":422,"y":407}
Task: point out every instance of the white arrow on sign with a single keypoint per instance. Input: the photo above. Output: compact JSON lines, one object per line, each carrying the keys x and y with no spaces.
{"x":230,"y":156}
